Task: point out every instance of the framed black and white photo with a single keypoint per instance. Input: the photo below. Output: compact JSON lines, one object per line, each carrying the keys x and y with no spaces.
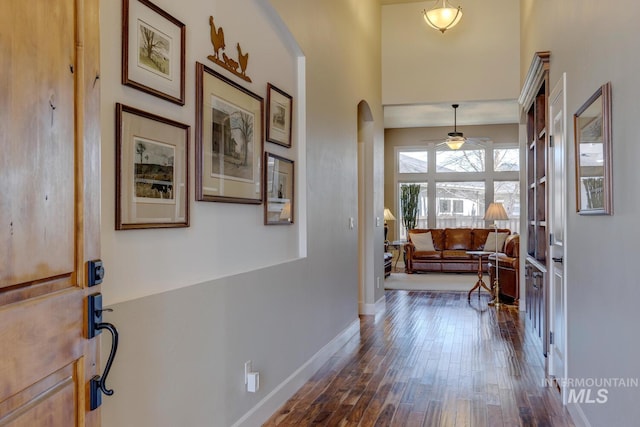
{"x":152,"y":170}
{"x":279,"y":115}
{"x":153,"y":50}
{"x":229,"y":140}
{"x":279,"y":190}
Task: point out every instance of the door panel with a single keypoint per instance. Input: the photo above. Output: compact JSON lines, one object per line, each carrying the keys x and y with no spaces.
{"x":39,"y":116}
{"x":52,"y":398}
{"x":557,"y":303}
{"x":49,"y":209}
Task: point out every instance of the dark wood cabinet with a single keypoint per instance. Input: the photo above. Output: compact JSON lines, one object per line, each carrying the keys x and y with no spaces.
{"x":534,"y":99}
{"x":535,"y":277}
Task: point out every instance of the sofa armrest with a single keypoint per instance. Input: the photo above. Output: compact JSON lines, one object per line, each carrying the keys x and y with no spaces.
{"x":409,"y":249}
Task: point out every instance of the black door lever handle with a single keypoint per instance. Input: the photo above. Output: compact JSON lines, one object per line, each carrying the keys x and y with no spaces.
{"x":98,"y":383}
{"x":558,"y":259}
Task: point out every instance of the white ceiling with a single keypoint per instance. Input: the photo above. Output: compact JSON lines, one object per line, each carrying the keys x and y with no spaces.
{"x":441,"y":114}
{"x":383,"y":2}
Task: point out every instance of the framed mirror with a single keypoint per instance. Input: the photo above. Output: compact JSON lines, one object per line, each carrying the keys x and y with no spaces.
{"x":279,"y":190}
{"x":592,"y":130}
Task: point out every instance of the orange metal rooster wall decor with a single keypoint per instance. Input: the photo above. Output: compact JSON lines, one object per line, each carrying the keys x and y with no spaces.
{"x":217,"y":40}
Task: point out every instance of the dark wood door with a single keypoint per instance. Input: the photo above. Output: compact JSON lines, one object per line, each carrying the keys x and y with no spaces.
{"x":49,"y":209}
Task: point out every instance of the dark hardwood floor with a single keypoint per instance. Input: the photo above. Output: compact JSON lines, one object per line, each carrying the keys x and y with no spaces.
{"x":431,"y":359}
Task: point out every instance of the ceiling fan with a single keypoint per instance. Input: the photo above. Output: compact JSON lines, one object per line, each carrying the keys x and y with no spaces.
{"x":455,"y":140}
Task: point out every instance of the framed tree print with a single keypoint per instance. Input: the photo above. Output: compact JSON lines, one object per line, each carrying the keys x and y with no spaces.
{"x":279,"y":189}
{"x":152,"y":170}
{"x":229,"y":139}
{"x":279,"y":115}
{"x":153,"y":50}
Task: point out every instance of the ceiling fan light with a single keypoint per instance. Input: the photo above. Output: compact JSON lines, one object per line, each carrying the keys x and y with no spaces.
{"x":444,"y":17}
{"x":455,"y":142}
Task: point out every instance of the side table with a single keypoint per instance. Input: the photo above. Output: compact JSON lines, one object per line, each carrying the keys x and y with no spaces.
{"x":398,"y":245}
{"x":480,"y":283}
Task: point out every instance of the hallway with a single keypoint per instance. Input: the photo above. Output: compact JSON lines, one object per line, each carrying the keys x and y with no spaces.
{"x":431,"y":359}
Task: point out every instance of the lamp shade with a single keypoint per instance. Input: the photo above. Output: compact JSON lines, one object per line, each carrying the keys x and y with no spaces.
{"x":455,"y":142}
{"x":442,"y":18}
{"x":388,"y":216}
{"x":496,"y":212}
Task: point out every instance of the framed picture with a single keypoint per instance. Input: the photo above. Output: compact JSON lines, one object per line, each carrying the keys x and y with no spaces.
{"x":152,"y":170}
{"x":279,"y":114}
{"x":229,"y":140}
{"x":279,"y":190}
{"x":153,"y":50}
{"x":592,"y":131}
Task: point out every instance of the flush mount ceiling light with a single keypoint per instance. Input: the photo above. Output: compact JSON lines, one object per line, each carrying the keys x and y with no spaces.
{"x":442,"y":17}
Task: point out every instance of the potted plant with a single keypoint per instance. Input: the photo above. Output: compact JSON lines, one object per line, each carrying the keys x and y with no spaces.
{"x":409,"y":194}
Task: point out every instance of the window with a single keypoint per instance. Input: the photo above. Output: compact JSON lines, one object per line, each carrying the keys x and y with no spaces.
{"x":508,"y":193}
{"x":506,"y":159}
{"x":412,"y":161}
{"x":460,"y":161}
{"x":462,"y":183}
{"x":460,"y":204}
{"x":444,"y":206}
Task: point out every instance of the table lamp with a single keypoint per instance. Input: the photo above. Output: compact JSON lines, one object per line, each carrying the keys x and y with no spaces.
{"x":496,"y":212}
{"x":388,"y":216}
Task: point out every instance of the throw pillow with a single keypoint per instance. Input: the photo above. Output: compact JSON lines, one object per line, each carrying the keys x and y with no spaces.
{"x":422,"y":241}
{"x":490,"y":243}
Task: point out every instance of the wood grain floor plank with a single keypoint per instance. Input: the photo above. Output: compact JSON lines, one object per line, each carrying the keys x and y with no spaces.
{"x":431,"y":359}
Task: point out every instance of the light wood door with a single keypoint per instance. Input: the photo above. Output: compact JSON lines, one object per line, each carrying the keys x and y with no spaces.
{"x":557,"y":204}
{"x":49,"y":209}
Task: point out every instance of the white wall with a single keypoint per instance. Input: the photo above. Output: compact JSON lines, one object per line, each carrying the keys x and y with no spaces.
{"x":192,"y":305}
{"x":594,"y":47}
{"x":476,"y":60}
{"x":224,"y":239}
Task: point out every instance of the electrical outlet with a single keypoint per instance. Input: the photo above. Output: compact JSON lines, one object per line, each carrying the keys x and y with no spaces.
{"x":247,"y":369}
{"x":253,"y":384}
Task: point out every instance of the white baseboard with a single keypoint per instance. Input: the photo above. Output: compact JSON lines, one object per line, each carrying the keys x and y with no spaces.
{"x":283,"y":392}
{"x":577,"y":416}
{"x":372,"y":309}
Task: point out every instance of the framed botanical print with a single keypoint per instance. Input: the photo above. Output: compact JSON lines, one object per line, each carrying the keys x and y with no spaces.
{"x":279,"y":190}
{"x":153,"y":50}
{"x":152,"y":170}
{"x":279,"y":114}
{"x":229,"y":140}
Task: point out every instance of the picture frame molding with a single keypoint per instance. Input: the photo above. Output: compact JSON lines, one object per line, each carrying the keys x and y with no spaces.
{"x":269,"y":203}
{"x":120,"y":224}
{"x":281,"y":137}
{"x":256,"y":185}
{"x":603,"y":96}
{"x":144,"y":81}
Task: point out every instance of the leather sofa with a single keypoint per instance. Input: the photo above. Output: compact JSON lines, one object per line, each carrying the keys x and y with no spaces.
{"x":509,"y":266}
{"x":450,"y":250}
